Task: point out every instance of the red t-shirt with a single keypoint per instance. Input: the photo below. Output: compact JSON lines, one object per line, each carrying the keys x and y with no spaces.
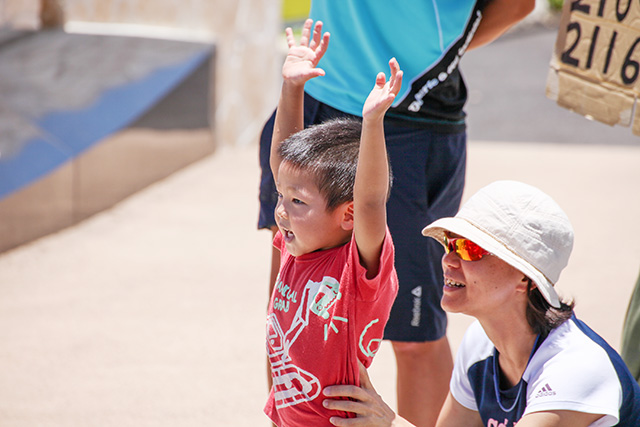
{"x":324,"y":316}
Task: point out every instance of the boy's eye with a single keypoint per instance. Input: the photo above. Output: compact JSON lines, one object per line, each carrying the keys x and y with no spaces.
{"x":297,"y":201}
{"x":278,"y":195}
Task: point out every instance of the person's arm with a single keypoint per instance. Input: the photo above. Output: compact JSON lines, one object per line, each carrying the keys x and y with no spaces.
{"x":366,"y":403}
{"x":371,"y":186}
{"x":558,"y":418}
{"x":299,"y":67}
{"x":453,"y":414}
{"x":372,"y":411}
{"x":497,"y":17}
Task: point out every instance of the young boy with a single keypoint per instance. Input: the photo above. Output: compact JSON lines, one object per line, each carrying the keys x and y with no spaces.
{"x":337,"y":280}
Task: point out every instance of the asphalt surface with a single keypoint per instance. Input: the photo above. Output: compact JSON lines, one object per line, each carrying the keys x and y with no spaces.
{"x":507,"y":101}
{"x":152,"y":313}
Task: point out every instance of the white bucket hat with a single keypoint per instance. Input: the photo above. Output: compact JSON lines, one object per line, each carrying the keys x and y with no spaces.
{"x":519,"y":224}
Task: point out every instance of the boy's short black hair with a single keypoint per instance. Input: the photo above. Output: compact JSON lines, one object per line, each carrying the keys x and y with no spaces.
{"x":328,"y":151}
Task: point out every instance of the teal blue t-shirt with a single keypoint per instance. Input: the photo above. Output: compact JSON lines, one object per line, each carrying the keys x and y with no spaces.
{"x":426,"y":37}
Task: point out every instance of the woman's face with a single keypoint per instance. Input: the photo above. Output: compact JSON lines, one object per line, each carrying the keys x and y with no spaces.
{"x":479,"y":287}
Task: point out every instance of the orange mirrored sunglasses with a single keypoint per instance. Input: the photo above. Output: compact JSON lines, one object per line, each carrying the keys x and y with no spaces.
{"x":465,"y":249}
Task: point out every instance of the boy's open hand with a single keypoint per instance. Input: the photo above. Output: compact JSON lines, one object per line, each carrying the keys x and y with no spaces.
{"x":302,"y":59}
{"x":383,"y":93}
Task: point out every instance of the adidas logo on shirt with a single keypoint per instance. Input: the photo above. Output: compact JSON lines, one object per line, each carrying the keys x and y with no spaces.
{"x":546,"y":391}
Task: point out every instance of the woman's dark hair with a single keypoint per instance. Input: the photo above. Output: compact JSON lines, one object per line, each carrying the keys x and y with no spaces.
{"x":542,"y":317}
{"x":329,"y":151}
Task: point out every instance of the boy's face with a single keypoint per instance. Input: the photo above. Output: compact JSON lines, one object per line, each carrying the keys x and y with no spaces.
{"x":302,"y":215}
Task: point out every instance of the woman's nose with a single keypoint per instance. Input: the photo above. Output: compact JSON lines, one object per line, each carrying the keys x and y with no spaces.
{"x":450,"y":259}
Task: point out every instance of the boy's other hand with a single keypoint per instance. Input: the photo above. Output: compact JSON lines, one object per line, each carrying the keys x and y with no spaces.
{"x":383,"y":93}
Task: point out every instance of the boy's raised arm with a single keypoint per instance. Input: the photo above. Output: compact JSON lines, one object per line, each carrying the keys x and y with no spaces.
{"x":299,"y":66}
{"x":372,"y":177}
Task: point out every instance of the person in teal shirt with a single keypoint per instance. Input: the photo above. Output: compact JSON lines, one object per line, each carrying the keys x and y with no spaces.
{"x":426,"y":138}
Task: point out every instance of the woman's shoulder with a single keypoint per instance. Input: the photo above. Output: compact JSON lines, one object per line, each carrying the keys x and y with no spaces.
{"x":571,"y":338}
{"x":572,"y":356}
{"x":573,"y":370}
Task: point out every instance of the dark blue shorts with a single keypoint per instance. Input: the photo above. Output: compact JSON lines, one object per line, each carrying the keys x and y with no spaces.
{"x":428,"y":179}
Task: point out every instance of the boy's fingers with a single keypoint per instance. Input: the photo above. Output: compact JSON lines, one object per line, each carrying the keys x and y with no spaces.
{"x":396,"y":76}
{"x":397,"y":82}
{"x":291,"y":41}
{"x":324,"y":43}
{"x":306,"y":31}
{"x":393,"y":65}
{"x":317,"y":35}
{"x":318,"y":72}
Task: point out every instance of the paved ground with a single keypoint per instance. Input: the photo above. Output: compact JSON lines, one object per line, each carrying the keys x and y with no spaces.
{"x":152,"y":313}
{"x":507,"y":101}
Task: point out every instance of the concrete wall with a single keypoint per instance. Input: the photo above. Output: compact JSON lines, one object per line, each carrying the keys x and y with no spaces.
{"x":87,"y":120}
{"x":243,"y":86}
{"x":246,"y":35}
{"x":245,"y":32}
{"x":19,"y":14}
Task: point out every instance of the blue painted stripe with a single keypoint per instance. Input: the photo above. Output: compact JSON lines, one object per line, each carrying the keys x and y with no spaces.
{"x":67,"y":134}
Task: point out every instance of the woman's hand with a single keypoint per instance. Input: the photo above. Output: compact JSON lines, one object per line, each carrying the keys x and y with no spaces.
{"x":366,"y":403}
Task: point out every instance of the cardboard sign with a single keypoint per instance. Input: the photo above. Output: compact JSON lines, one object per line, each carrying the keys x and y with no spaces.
{"x":595,"y":70}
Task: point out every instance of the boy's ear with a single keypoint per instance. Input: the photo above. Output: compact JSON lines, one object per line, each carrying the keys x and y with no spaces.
{"x":347,"y":216}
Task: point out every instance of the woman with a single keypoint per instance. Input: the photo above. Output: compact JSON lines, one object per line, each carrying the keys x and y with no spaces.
{"x":527,"y":358}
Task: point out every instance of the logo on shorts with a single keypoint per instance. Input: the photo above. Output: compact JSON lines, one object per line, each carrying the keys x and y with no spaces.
{"x":546,"y":391}
{"x":417,"y":305}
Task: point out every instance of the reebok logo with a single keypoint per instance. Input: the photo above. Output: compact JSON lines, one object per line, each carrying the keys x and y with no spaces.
{"x":546,"y":391}
{"x":417,"y":305}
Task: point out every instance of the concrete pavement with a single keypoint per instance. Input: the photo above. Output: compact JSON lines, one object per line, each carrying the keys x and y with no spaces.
{"x":152,"y":313}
